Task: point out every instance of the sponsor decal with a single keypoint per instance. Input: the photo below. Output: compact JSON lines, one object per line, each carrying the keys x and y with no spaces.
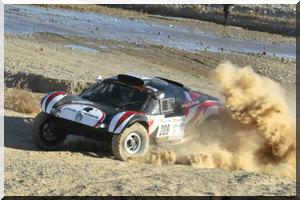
{"x":79,"y":116}
{"x":83,"y":114}
{"x":70,"y":109}
{"x":88,"y":114}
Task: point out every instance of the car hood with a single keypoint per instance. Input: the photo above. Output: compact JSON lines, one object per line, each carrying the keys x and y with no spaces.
{"x":77,"y":100}
{"x":75,"y":108}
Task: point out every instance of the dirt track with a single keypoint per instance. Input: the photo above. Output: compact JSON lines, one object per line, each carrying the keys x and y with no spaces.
{"x":32,"y":172}
{"x":85,"y":168}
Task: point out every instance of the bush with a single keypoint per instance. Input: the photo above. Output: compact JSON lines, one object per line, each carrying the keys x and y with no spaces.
{"x":22,"y":101}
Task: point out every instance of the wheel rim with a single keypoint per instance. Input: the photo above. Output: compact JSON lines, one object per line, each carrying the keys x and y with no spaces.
{"x":48,"y":132}
{"x":132,"y":143}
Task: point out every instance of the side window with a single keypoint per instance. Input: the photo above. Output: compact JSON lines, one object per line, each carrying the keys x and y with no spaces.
{"x":154,"y":106}
{"x":167,"y":105}
{"x":179,"y":99}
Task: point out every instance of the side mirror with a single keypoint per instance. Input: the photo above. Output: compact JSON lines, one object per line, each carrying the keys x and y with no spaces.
{"x":161,"y":96}
{"x":99,"y":79}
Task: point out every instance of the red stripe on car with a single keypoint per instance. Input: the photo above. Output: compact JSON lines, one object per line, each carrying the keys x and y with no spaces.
{"x":100,"y":120}
{"x":208,"y":103}
{"x":151,"y":122}
{"x":124,"y":117}
{"x":198,"y":113}
{"x":52,"y":96}
{"x":186,"y":111}
{"x":194,"y":95}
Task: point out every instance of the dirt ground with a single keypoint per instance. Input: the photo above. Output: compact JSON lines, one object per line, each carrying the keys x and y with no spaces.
{"x":78,"y":171}
{"x":81,"y":169}
{"x":35,"y":54}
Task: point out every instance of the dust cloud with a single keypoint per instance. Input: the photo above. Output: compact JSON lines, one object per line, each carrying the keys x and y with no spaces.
{"x":259,"y":131}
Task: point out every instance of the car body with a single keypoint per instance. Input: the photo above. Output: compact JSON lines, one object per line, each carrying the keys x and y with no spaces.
{"x":107,"y":108}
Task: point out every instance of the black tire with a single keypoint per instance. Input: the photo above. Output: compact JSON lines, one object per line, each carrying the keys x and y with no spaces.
{"x":38,"y":135}
{"x":119,"y":143}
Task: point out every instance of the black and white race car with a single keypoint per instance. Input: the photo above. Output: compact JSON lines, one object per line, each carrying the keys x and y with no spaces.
{"x":127,"y":110}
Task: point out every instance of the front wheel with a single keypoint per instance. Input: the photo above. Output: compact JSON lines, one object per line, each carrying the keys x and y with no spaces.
{"x":46,"y":134}
{"x":132,"y":143}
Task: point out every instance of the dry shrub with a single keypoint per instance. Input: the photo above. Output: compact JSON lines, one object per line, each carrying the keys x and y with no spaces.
{"x":22,"y":101}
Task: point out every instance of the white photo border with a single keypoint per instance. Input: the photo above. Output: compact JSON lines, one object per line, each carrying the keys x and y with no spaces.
{"x":3,"y":2}
{"x":1,"y":99}
{"x":149,"y":2}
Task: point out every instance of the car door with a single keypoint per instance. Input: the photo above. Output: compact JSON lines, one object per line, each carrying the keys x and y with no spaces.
{"x":172,"y":124}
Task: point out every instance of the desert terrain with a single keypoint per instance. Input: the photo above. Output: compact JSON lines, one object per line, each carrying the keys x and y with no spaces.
{"x":50,"y":49}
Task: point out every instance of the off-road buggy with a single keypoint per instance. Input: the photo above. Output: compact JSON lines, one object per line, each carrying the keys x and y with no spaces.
{"x":130,"y":111}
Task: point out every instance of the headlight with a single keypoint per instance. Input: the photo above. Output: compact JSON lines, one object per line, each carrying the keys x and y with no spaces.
{"x":55,"y":112}
{"x":102,"y":125}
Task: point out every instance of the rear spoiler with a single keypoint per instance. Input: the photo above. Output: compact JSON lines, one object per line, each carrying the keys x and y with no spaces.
{"x":136,"y":81}
{"x":172,"y":82}
{"x":131,"y":80}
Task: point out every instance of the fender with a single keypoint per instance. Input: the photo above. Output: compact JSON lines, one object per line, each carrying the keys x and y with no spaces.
{"x":125,"y":119}
{"x":48,"y":101}
{"x":139,"y":119}
{"x":204,"y":110}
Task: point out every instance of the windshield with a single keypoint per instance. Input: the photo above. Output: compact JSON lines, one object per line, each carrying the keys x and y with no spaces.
{"x":118,"y":95}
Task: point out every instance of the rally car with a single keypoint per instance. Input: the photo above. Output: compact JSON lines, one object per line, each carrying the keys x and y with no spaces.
{"x":130,"y":111}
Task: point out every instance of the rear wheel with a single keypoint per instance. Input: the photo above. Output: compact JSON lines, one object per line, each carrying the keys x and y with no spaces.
{"x":46,"y":134}
{"x":132,"y":143}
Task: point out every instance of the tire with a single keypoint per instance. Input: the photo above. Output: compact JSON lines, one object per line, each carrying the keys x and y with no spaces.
{"x":120,"y":141}
{"x":42,"y":120}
